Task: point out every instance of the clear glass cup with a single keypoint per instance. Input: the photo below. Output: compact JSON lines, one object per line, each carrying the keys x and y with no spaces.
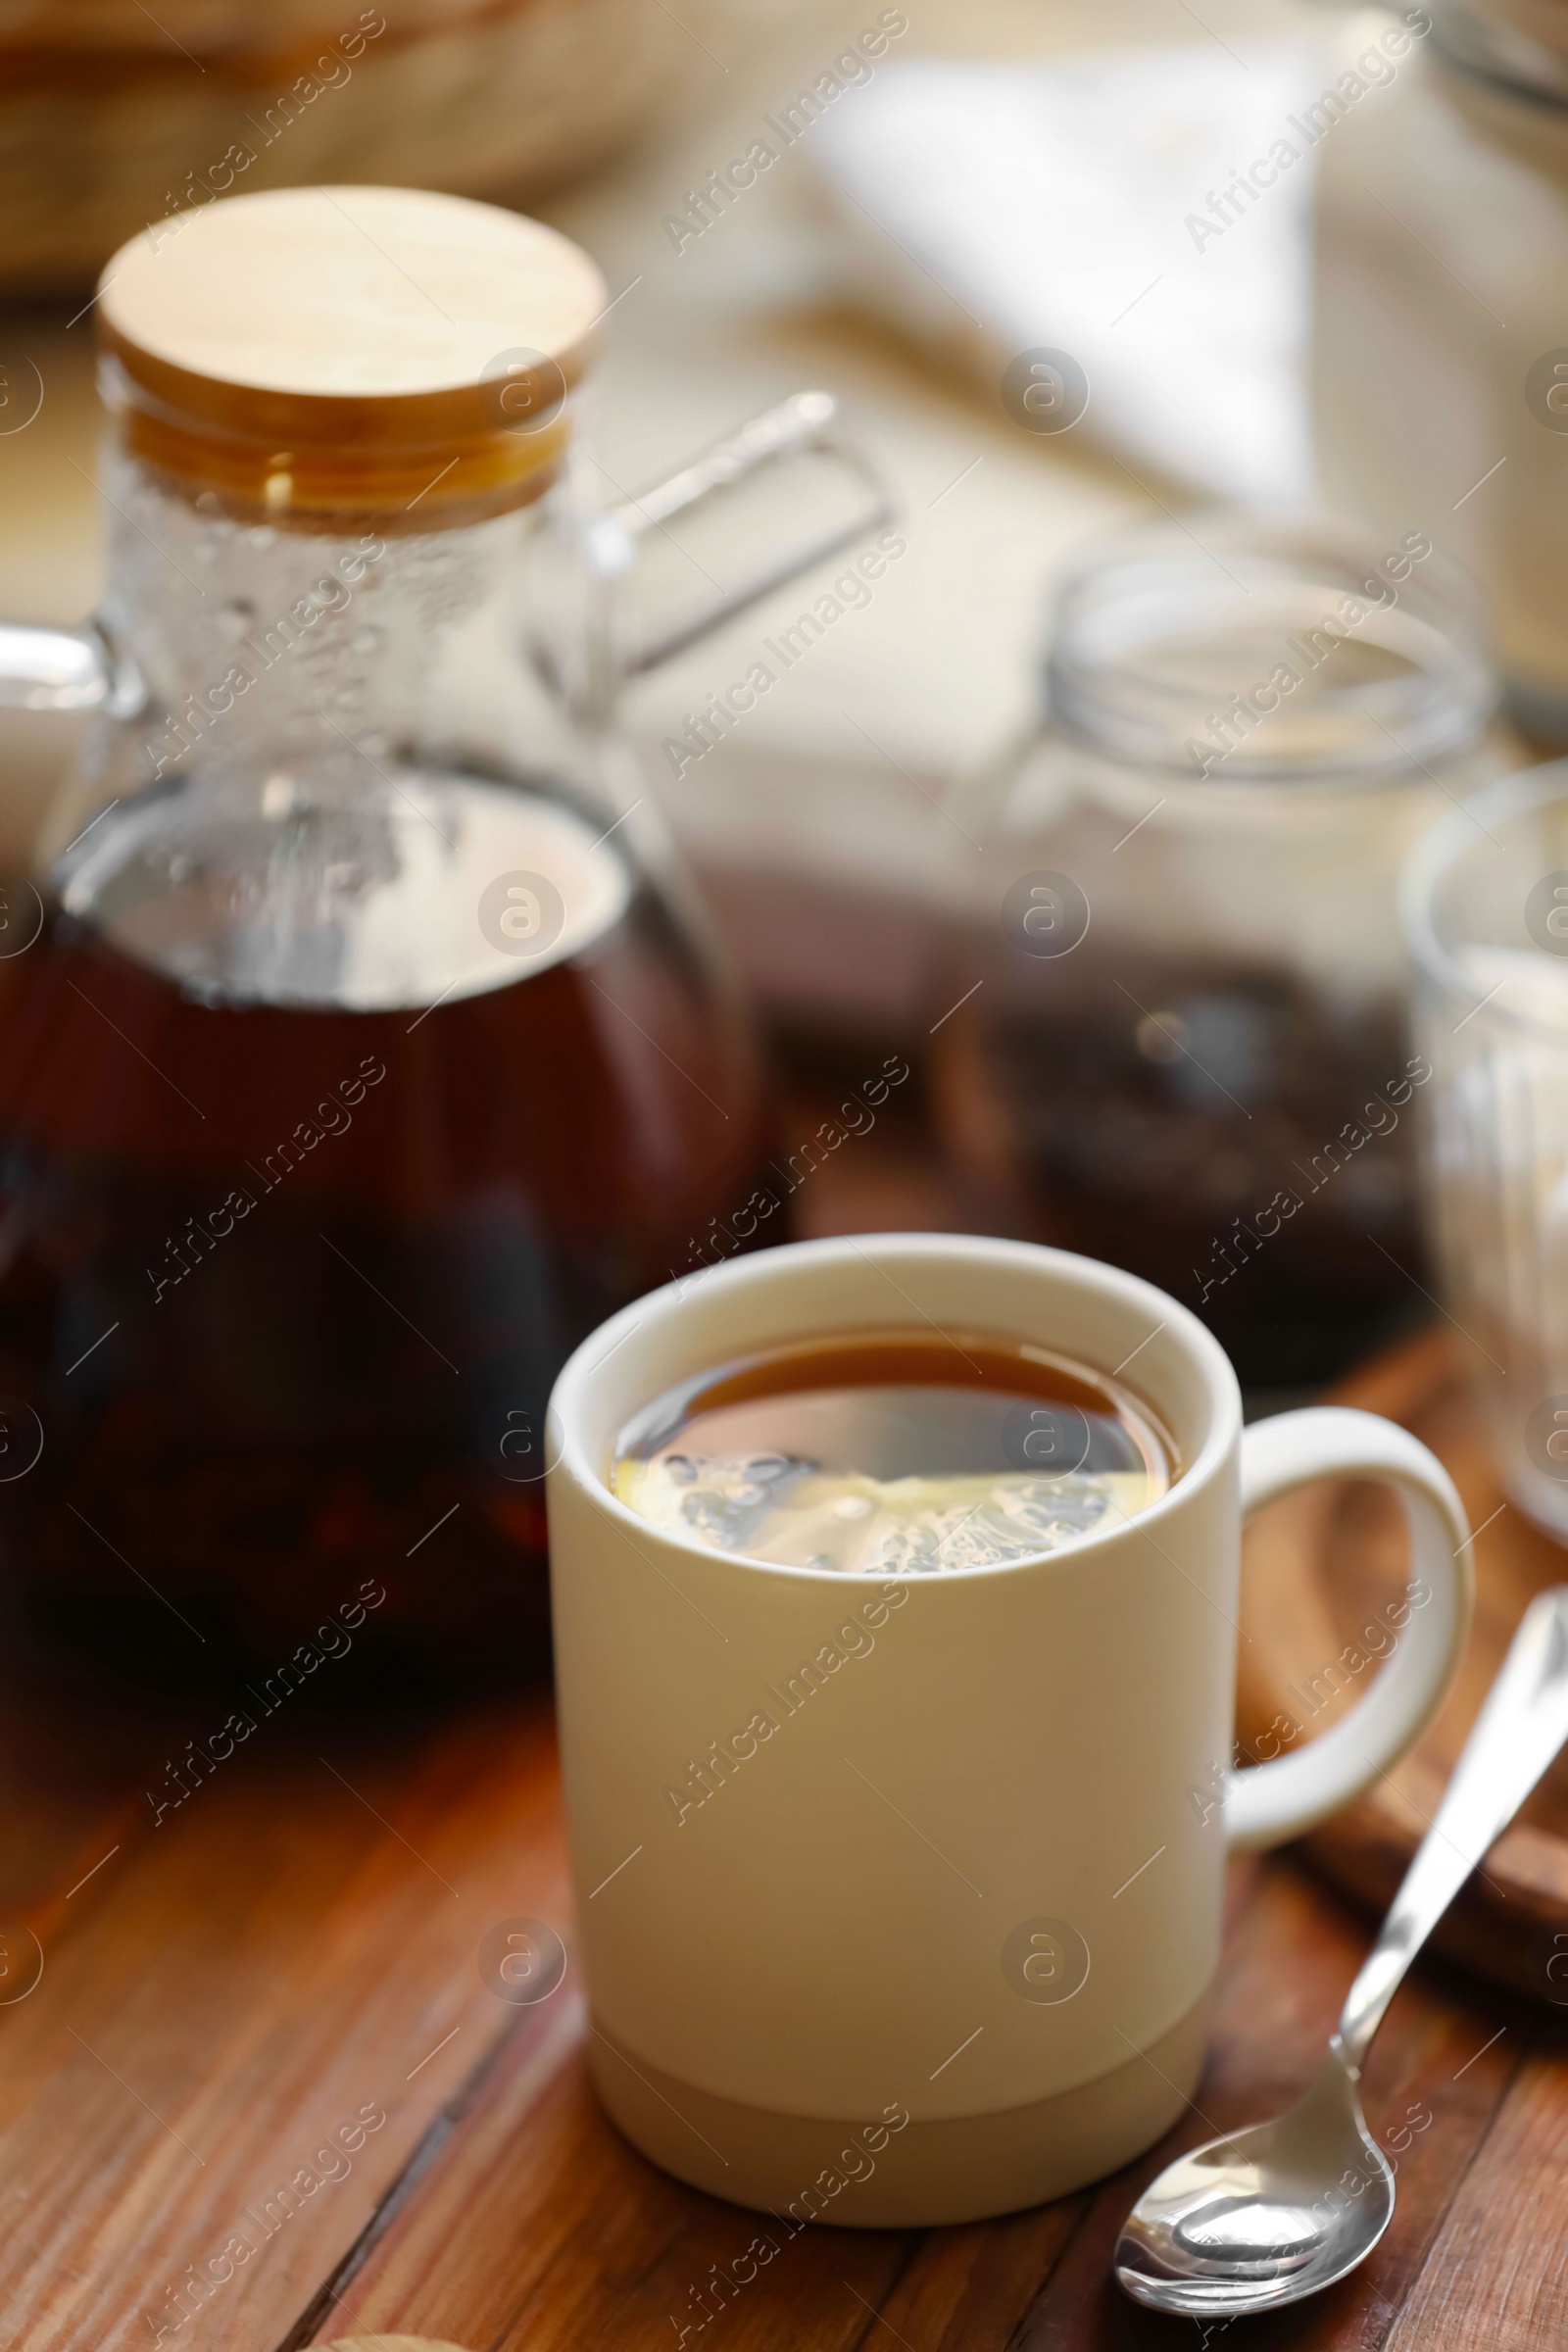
{"x":1485,"y":904}
{"x":1179,"y":991}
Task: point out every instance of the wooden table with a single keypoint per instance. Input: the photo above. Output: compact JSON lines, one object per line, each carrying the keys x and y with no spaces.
{"x":260,"y":2053}
{"x":232,"y":1997}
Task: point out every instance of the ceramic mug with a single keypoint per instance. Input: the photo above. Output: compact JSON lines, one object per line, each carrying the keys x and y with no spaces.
{"x":899,"y":1900}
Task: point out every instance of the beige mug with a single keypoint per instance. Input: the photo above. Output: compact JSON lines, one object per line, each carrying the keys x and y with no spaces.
{"x":899,"y":1901}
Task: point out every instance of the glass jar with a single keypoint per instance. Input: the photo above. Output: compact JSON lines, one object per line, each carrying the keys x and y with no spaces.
{"x":1176,"y":1036}
{"x":1440,"y":350}
{"x":1486,"y":911}
{"x":366,"y":1047}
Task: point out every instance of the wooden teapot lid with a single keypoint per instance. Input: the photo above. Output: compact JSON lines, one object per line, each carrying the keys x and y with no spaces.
{"x":323,"y":349}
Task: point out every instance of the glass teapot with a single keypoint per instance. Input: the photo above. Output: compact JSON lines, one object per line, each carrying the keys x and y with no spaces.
{"x":362,"y":1046}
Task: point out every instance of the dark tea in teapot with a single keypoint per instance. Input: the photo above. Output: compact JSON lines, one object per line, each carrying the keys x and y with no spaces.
{"x":286,"y":1283}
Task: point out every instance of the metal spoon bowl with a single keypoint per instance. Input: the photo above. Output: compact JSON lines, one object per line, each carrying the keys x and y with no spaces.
{"x":1270,"y":2214}
{"x":1267,"y":2217}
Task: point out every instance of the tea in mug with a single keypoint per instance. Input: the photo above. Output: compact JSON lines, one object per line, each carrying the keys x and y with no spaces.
{"x":894,"y":1453}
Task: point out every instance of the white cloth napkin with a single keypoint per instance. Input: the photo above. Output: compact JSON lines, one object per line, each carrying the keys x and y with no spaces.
{"x":1053,"y":205}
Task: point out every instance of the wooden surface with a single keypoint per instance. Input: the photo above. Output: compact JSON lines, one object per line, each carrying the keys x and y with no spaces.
{"x":297,"y":1946}
{"x":1325,"y":1566}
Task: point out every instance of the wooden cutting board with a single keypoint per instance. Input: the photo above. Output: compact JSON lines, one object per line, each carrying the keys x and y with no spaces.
{"x":1321,"y":1568}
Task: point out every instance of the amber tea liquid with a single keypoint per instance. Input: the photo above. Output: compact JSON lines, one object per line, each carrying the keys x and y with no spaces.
{"x":284,"y":1287}
{"x":882,"y":1453}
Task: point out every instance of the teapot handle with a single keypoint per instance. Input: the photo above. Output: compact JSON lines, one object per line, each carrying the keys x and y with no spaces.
{"x":601,"y":613}
{"x":803,"y":427}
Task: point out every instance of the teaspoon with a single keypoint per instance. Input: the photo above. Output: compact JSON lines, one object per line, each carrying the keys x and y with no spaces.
{"x":1280,"y":2211}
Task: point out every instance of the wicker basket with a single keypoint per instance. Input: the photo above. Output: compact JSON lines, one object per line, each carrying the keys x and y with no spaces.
{"x":112,"y":116}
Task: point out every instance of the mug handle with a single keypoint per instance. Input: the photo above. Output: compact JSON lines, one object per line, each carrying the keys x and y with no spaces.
{"x":1268,"y":1802}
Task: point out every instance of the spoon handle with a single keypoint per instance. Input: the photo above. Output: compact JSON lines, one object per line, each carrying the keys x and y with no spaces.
{"x":1521,"y":1726}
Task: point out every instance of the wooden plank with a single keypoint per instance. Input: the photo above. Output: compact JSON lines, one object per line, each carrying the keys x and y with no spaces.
{"x":289,"y":1956}
{"x":535,"y":2225}
{"x":966,"y":2289}
{"x":1289,"y":1961}
{"x":71,"y":1772}
{"x":1495,"y":2277}
{"x":296,"y":1950}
